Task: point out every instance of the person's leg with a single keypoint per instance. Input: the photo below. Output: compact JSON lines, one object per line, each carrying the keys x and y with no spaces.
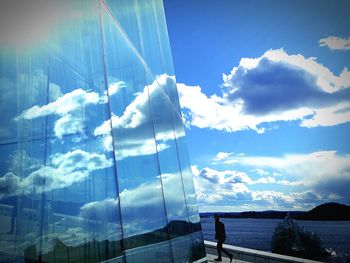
{"x":226,"y":252}
{"x":230,"y":255}
{"x":219,"y":248}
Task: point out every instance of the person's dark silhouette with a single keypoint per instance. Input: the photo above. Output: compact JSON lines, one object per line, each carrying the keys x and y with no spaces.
{"x":220,"y":236}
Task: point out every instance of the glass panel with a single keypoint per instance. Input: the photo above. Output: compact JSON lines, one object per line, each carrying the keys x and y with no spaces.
{"x":93,"y":165}
{"x":144,"y":23}
{"x":178,"y":223}
{"x":58,"y":185}
{"x":141,"y":194}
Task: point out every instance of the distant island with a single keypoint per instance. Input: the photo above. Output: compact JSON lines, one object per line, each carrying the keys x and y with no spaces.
{"x":324,"y":212}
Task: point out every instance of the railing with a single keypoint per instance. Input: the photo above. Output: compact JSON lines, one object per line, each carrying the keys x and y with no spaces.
{"x":252,"y":255}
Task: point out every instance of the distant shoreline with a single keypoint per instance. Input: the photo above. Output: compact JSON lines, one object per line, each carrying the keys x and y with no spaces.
{"x":324,"y":212}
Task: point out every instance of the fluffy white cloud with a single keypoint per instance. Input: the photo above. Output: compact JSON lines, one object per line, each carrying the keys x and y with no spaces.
{"x":289,"y":183}
{"x":224,"y":178}
{"x":69,"y":108}
{"x":260,"y":172}
{"x":222,"y":155}
{"x":9,"y":184}
{"x":63,"y":105}
{"x":306,"y":169}
{"x":215,"y":188}
{"x":116,"y":87}
{"x":144,"y":199}
{"x":136,"y":122}
{"x":16,"y":95}
{"x":106,"y":209}
{"x":21,"y":161}
{"x":325,"y":171}
{"x":272,"y":197}
{"x":274,"y":87}
{"x":322,"y":164}
{"x":67,"y":169}
{"x":335,"y":43}
{"x":330,"y":116}
{"x":138,"y":112}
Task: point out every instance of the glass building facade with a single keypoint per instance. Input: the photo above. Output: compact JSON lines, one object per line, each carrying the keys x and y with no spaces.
{"x":94,"y":165}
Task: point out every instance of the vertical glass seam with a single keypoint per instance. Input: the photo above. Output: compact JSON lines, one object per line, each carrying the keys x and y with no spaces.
{"x":111,"y":125}
{"x":43,"y":198}
{"x":154,"y":136}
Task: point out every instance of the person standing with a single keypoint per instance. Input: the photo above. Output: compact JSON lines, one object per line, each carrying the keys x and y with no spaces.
{"x":220,"y":236}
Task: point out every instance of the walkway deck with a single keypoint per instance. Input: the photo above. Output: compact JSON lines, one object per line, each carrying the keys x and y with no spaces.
{"x":241,"y":255}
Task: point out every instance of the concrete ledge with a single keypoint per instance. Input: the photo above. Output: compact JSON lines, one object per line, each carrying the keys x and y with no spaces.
{"x":252,"y":255}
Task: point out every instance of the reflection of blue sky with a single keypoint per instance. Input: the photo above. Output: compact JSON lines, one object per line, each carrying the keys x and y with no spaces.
{"x":67,"y":169}
{"x":141,"y":205}
{"x":58,"y":165}
{"x":133,"y":128}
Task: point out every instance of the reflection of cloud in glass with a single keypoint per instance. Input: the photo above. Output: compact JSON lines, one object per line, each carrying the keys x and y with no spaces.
{"x":138,"y":111}
{"x":133,"y":147}
{"x":67,"y":169}
{"x":21,"y":161}
{"x":105,"y":209}
{"x":145,"y":199}
{"x":70,"y":109}
{"x":72,"y":237}
{"x":137,"y":118}
{"x":113,"y":88}
{"x":16,"y":92}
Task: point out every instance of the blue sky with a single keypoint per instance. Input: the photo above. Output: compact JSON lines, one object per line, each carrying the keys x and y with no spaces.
{"x":265,"y":92}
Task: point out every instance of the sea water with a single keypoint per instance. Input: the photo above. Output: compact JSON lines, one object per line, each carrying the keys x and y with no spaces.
{"x":257,"y":233}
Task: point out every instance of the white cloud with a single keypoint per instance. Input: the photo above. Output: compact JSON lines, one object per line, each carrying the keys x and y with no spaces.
{"x":286,"y":182}
{"x":274,"y":87}
{"x":261,"y":172}
{"x":21,"y":161}
{"x":212,"y":186}
{"x":134,"y":146}
{"x":326,"y":171}
{"x":225,"y":178}
{"x":106,"y":209}
{"x":63,"y":105}
{"x":79,"y":159}
{"x":69,"y":108}
{"x":272,"y":197}
{"x":137,"y":123}
{"x":138,"y":111}
{"x":335,"y":43}
{"x":18,"y":92}
{"x":324,"y":78}
{"x":265,"y":180}
{"x":145,"y":199}
{"x":137,"y":148}
{"x":221,"y":156}
{"x":67,"y":169}
{"x":115,"y":87}
{"x":320,"y":164}
{"x":330,"y":116}
{"x":9,"y":184}
{"x":233,"y":188}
